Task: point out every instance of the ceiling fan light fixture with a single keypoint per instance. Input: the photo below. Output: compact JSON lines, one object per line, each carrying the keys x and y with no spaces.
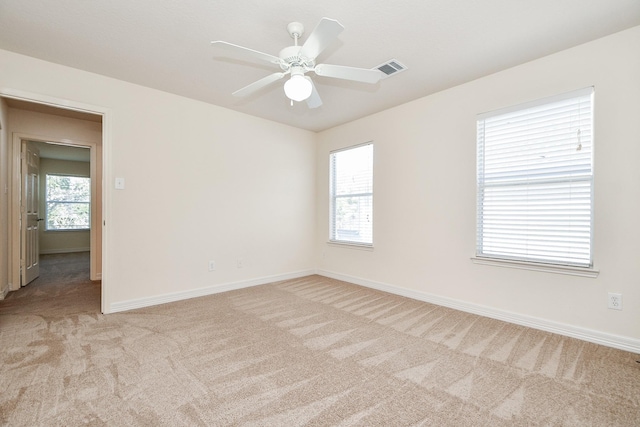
{"x":297,"y":88}
{"x":297,"y":60}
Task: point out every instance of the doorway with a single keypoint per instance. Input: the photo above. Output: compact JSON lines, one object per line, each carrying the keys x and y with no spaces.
{"x":62,"y":207}
{"x":52,"y":125}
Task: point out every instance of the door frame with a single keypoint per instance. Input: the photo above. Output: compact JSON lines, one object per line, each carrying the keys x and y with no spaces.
{"x":98,"y":215}
{"x":94,"y":235}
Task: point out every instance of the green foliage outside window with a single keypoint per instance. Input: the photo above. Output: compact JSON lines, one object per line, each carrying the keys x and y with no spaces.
{"x":68,"y":202}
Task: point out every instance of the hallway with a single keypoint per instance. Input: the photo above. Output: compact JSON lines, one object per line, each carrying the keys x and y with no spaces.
{"x":62,"y":289}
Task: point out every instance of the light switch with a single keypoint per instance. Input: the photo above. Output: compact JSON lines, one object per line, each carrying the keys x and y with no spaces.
{"x":119,"y":183}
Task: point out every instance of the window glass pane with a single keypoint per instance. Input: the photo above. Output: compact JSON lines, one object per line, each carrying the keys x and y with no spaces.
{"x":353,"y":170}
{"x":68,"y":201}
{"x":67,"y":216}
{"x":354,"y":219}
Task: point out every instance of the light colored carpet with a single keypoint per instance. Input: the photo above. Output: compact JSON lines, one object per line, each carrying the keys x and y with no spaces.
{"x":312,"y":351}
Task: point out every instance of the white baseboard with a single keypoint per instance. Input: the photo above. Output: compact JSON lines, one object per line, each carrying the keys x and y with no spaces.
{"x":63,"y":251}
{"x":200,"y":292}
{"x":597,"y":337}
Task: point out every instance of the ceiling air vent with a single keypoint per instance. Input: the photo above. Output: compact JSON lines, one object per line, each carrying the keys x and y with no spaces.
{"x":391,"y":68}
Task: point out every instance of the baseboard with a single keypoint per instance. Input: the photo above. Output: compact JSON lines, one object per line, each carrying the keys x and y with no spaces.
{"x":63,"y":251}
{"x":200,"y":292}
{"x":596,"y":337}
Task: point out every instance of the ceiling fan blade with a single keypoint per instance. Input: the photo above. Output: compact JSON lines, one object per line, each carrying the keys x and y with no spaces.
{"x":324,"y":34}
{"x":247,"y":53}
{"x":314,"y":100}
{"x":348,"y":73}
{"x":259,"y":84}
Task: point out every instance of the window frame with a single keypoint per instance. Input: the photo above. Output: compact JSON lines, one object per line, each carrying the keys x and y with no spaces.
{"x":47,"y":201}
{"x":524,"y":262}
{"x":333,"y":196}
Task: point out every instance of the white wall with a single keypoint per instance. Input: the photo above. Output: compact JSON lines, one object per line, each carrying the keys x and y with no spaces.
{"x":53,"y":242}
{"x":53,"y":127}
{"x":4,"y":201}
{"x":424,"y":196}
{"x":202,"y":183}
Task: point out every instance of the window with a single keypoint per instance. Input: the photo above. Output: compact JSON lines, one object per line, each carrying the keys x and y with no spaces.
{"x":351,"y":190}
{"x":68,"y":202}
{"x":535,"y":181}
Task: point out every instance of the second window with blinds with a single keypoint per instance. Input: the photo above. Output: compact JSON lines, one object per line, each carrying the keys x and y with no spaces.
{"x":535,"y":182}
{"x":351,"y":194}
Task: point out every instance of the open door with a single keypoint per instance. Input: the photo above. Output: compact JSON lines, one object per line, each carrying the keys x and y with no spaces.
{"x":30,"y":215}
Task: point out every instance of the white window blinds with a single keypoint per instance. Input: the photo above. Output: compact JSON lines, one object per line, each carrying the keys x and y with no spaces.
{"x":535,"y":181}
{"x":351,"y":193}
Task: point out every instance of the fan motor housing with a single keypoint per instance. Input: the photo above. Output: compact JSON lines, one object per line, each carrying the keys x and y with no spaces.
{"x":291,"y":57}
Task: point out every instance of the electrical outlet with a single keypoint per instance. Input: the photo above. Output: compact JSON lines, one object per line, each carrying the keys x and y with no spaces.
{"x":615,"y":301}
{"x":240,"y":263}
{"x":212,"y":265}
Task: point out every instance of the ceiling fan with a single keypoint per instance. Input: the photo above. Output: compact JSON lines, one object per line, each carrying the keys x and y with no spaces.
{"x":298,"y":60}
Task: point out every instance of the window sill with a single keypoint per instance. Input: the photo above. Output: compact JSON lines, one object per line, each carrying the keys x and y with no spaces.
{"x":546,"y":268}
{"x":353,"y":245}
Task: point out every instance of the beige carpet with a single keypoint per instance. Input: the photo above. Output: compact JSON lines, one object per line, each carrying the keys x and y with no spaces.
{"x":312,"y":351}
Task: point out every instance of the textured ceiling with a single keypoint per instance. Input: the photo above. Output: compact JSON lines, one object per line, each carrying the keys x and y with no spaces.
{"x":165,"y":44}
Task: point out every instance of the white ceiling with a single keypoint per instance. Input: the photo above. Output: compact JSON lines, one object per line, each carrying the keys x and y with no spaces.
{"x":62,"y":152}
{"x":165,"y":44}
